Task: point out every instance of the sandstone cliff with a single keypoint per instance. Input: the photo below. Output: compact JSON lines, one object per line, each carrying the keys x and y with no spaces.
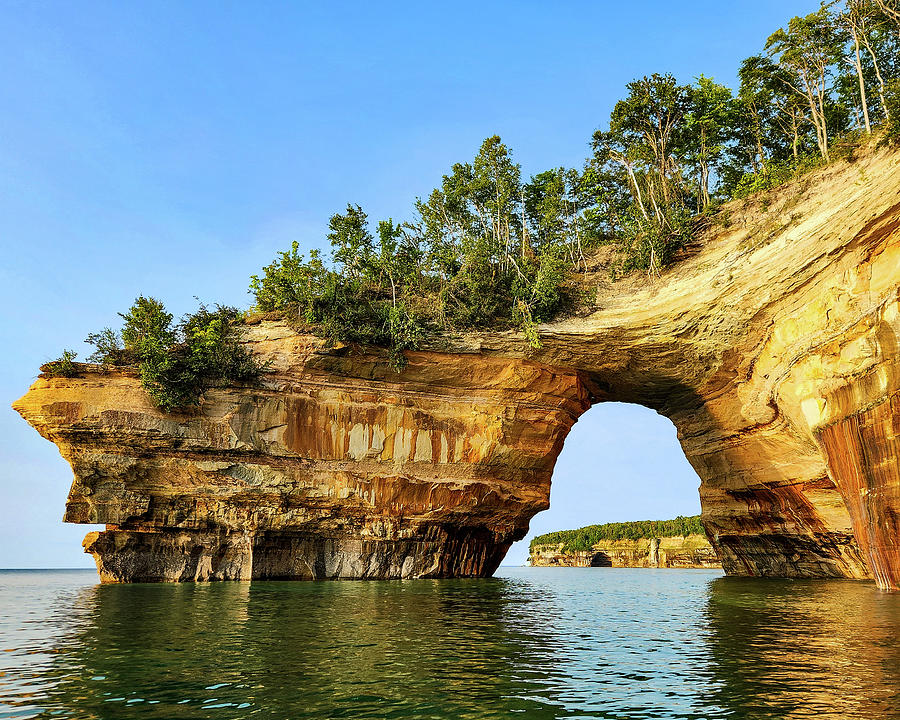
{"x":773,"y":350}
{"x":693,"y":551}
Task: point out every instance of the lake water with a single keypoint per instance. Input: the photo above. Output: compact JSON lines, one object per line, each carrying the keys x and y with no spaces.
{"x":530,"y":643}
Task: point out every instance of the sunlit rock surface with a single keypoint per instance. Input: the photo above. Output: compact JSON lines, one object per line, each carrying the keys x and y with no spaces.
{"x":773,"y":349}
{"x":692,"y":551}
{"x":335,"y":468}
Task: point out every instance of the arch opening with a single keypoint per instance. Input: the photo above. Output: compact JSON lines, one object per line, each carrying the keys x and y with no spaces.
{"x":620,"y":462}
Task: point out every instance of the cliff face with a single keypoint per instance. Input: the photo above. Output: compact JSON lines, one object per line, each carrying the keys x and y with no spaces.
{"x":337,"y":467}
{"x":773,"y":350}
{"x":693,"y":551}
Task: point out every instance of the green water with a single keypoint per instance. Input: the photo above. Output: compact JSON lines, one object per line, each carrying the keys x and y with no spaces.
{"x":531,"y":643}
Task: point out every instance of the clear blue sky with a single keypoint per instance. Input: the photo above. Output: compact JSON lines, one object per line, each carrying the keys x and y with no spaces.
{"x":171,"y":148}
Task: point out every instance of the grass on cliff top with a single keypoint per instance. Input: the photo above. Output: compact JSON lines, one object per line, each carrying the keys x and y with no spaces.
{"x":585,"y":538}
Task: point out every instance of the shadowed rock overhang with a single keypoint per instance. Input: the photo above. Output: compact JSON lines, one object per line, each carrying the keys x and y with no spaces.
{"x":773,"y":349}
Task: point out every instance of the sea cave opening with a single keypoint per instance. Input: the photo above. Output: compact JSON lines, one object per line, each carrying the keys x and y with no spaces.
{"x":620,"y":462}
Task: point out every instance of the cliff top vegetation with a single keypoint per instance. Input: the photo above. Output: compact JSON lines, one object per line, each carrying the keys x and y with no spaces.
{"x":489,"y":249}
{"x":177,"y":361}
{"x":585,"y":538}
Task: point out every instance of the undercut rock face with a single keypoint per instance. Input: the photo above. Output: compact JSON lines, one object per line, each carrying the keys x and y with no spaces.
{"x":335,"y":467}
{"x":773,"y":349}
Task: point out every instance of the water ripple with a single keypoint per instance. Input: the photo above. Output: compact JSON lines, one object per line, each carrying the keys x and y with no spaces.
{"x":535,"y":643}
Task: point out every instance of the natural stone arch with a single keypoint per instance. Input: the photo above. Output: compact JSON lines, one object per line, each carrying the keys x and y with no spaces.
{"x":773,"y":350}
{"x":620,"y":462}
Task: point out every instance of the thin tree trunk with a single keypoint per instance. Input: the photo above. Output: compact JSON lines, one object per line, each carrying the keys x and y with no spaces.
{"x":660,"y":217}
{"x":884,"y":106}
{"x":705,"y":186}
{"x":814,"y":92}
{"x":634,"y":183}
{"x":759,"y":148}
{"x":704,"y":173}
{"x":862,"y":82}
{"x":820,"y":87}
{"x":796,"y":140}
{"x":818,"y":122}
{"x":524,"y":229}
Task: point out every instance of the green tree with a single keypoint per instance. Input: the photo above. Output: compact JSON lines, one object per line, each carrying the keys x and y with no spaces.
{"x":148,"y":327}
{"x":649,"y":123}
{"x":771,"y":128}
{"x":645,"y":140}
{"x":109,"y":349}
{"x":808,"y":50}
{"x":553,"y":210}
{"x":877,"y":26}
{"x":352,"y":243}
{"x":853,"y":20}
{"x":290,"y":284}
{"x":708,"y":123}
{"x":496,"y":194}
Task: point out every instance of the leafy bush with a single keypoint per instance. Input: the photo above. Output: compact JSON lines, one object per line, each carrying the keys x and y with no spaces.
{"x":479,"y":256}
{"x":177,"y":363}
{"x":775,"y":173}
{"x":650,"y":244}
{"x":63,"y":366}
{"x":290,"y":284}
{"x":751,"y":183}
{"x":357,"y":303}
{"x":892,"y":123}
{"x":585,"y":538}
{"x":109,"y":349}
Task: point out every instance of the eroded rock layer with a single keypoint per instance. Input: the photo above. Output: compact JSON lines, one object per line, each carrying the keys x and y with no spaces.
{"x":334,"y":467}
{"x":773,"y":349}
{"x":693,"y":551}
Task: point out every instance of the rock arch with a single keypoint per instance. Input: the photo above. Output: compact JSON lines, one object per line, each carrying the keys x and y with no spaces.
{"x":773,"y":350}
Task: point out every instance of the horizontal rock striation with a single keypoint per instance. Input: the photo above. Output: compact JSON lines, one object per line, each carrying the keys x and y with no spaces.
{"x":773,"y":349}
{"x":693,"y":551}
{"x":333,"y":467}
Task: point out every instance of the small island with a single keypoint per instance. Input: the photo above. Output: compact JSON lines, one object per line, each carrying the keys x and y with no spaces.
{"x":678,"y":543}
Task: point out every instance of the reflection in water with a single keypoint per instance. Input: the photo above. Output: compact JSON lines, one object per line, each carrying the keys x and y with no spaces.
{"x":812,"y":648}
{"x":542,"y":643}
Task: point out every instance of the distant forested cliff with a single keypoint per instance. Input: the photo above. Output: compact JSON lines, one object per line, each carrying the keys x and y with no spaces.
{"x":585,"y":538}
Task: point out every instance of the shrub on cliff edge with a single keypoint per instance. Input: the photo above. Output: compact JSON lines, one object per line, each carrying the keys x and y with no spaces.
{"x":63,"y":366}
{"x":177,"y":363}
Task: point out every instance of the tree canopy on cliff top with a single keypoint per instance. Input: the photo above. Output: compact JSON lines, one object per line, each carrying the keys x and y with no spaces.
{"x":584,"y":539}
{"x":488,"y":249}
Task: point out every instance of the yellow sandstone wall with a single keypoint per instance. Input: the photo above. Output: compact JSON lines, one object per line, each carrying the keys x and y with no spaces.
{"x":773,"y":349}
